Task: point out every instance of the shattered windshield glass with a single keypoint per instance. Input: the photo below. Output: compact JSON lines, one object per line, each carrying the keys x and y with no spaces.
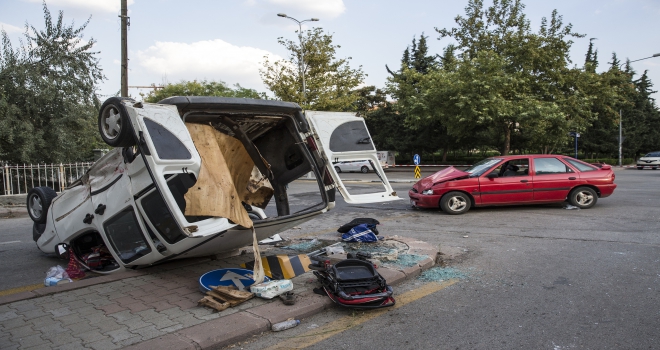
{"x":482,"y":166}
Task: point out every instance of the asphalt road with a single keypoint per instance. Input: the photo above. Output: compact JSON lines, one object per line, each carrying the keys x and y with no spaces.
{"x":539,"y":277}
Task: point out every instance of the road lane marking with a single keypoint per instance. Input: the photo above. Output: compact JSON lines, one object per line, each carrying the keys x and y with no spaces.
{"x":337,"y":326}
{"x":10,"y":242}
{"x":21,"y":289}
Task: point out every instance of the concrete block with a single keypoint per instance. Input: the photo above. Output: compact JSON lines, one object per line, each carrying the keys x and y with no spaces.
{"x":226,"y":330}
{"x":391,"y":276}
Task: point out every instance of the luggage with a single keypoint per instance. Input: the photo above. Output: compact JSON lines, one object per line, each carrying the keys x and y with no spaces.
{"x":354,"y":283}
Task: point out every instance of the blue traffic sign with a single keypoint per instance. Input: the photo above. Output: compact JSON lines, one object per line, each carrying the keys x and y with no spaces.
{"x":241,"y":278}
{"x":416,"y":159}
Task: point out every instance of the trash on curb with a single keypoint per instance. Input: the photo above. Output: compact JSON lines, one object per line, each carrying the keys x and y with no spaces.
{"x":347,"y":227}
{"x":271,"y":289}
{"x":285,"y":325}
{"x":276,"y":238}
{"x":221,"y":297}
{"x":56,"y":276}
{"x":570,"y":207}
{"x":361,"y":233}
{"x":288,"y":298}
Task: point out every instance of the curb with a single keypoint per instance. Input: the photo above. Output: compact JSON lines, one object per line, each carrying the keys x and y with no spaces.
{"x":241,"y":325}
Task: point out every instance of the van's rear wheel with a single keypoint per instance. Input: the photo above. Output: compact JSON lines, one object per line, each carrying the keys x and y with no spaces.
{"x":38,"y":202}
{"x":364,"y":169}
{"x":114,"y":124}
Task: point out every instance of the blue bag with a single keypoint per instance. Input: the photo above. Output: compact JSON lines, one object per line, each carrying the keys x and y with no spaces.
{"x":360,"y":233}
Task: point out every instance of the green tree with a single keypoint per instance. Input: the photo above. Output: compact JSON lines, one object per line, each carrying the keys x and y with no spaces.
{"x":513,"y":80}
{"x":202,"y":88}
{"x":330,"y":82}
{"x":48,"y":104}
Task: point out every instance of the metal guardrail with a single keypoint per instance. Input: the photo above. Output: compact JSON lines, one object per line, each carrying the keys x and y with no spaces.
{"x":19,"y":179}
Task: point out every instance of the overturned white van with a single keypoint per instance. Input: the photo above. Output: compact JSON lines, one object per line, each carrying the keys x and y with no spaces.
{"x":190,"y":176}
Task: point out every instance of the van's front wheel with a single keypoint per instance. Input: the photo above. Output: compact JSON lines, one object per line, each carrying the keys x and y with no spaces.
{"x":38,"y":202}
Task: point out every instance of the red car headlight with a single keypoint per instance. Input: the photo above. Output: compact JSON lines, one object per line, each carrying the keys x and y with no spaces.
{"x":429,"y":191}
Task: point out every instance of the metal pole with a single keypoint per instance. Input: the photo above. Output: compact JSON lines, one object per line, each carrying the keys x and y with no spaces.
{"x":124,"y":49}
{"x":576,"y":137}
{"x":620,"y":138}
{"x":302,"y":62}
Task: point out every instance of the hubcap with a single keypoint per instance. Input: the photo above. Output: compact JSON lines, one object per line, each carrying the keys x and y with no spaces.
{"x":35,"y":206}
{"x":457,"y":203}
{"x":585,"y":198}
{"x":111,"y":123}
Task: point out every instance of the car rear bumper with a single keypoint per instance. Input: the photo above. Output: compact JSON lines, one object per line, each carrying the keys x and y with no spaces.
{"x":423,"y":200}
{"x":606,"y":190}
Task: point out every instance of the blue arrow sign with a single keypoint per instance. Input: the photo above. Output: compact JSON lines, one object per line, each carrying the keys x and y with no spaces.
{"x":241,"y":278}
{"x":416,"y":159}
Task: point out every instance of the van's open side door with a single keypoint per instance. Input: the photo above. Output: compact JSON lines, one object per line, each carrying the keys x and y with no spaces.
{"x":344,"y":137}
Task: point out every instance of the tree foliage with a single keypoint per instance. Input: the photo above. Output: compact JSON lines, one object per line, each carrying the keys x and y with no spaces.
{"x":330,"y":82}
{"x":202,"y":88}
{"x":48,"y":103}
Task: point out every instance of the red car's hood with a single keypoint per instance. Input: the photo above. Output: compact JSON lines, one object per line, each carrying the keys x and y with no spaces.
{"x":450,"y":173}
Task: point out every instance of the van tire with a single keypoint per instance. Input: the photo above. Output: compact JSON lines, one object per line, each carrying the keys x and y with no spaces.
{"x":113,"y":116}
{"x":38,"y":202}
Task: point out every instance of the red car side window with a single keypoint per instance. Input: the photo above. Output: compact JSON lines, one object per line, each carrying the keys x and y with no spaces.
{"x":546,"y":166}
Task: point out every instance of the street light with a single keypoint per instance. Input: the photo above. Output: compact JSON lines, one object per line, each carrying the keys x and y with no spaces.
{"x":620,"y":113}
{"x":301,"y":63}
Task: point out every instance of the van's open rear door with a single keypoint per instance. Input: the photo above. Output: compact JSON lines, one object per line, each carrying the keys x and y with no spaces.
{"x":344,"y":137}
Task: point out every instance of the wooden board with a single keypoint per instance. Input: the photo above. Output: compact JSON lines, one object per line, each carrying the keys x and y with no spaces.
{"x":214,"y":193}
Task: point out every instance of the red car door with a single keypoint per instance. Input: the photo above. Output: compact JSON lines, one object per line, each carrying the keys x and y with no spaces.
{"x":509,"y":183}
{"x":552,"y":179}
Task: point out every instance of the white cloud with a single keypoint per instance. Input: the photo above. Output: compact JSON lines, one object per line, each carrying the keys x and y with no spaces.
{"x":94,"y":5}
{"x":212,"y":60}
{"x":319,"y":8}
{"x":10,"y":28}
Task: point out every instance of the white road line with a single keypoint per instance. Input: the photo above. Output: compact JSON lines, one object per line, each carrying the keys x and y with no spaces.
{"x":10,"y":242}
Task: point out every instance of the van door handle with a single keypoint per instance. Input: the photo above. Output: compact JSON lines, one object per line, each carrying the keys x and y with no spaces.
{"x":524,"y":181}
{"x":571,"y":178}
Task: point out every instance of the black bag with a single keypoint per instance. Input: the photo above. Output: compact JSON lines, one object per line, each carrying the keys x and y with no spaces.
{"x":347,"y":227}
{"x":354,"y":283}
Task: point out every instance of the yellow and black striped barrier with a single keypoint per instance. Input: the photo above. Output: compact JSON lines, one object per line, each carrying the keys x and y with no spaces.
{"x":418,"y":172}
{"x":285,"y":266}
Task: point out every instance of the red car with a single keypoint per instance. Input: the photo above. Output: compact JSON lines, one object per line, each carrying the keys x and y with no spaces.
{"x":532,"y":179}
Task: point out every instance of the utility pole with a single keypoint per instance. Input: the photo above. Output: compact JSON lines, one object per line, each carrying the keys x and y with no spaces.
{"x":620,"y":138}
{"x":124,"y":48}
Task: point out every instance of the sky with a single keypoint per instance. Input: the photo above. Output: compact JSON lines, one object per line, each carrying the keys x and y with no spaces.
{"x":226,"y":40}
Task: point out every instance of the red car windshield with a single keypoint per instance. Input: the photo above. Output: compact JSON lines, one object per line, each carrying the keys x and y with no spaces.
{"x":482,"y":166}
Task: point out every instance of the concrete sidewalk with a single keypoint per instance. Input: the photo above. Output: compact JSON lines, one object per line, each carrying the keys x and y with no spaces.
{"x":157,"y":308}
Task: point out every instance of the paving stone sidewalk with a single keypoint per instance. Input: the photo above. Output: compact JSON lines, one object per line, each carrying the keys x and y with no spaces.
{"x":158,"y":309}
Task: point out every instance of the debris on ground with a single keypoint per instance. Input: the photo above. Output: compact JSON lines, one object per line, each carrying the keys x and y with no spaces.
{"x":304,"y":246}
{"x":285,"y":325}
{"x":438,"y":274}
{"x":408,"y":260}
{"x":361,"y":233}
{"x":355,"y":222}
{"x":385,"y":250}
{"x":221,"y":297}
{"x":274,"y":239}
{"x":288,"y":298}
{"x":271,"y":289}
{"x":570,"y":207}
{"x":55,"y":276}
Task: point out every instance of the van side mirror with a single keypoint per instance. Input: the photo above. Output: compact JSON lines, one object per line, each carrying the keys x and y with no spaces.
{"x":492,"y":175}
{"x":62,"y":251}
